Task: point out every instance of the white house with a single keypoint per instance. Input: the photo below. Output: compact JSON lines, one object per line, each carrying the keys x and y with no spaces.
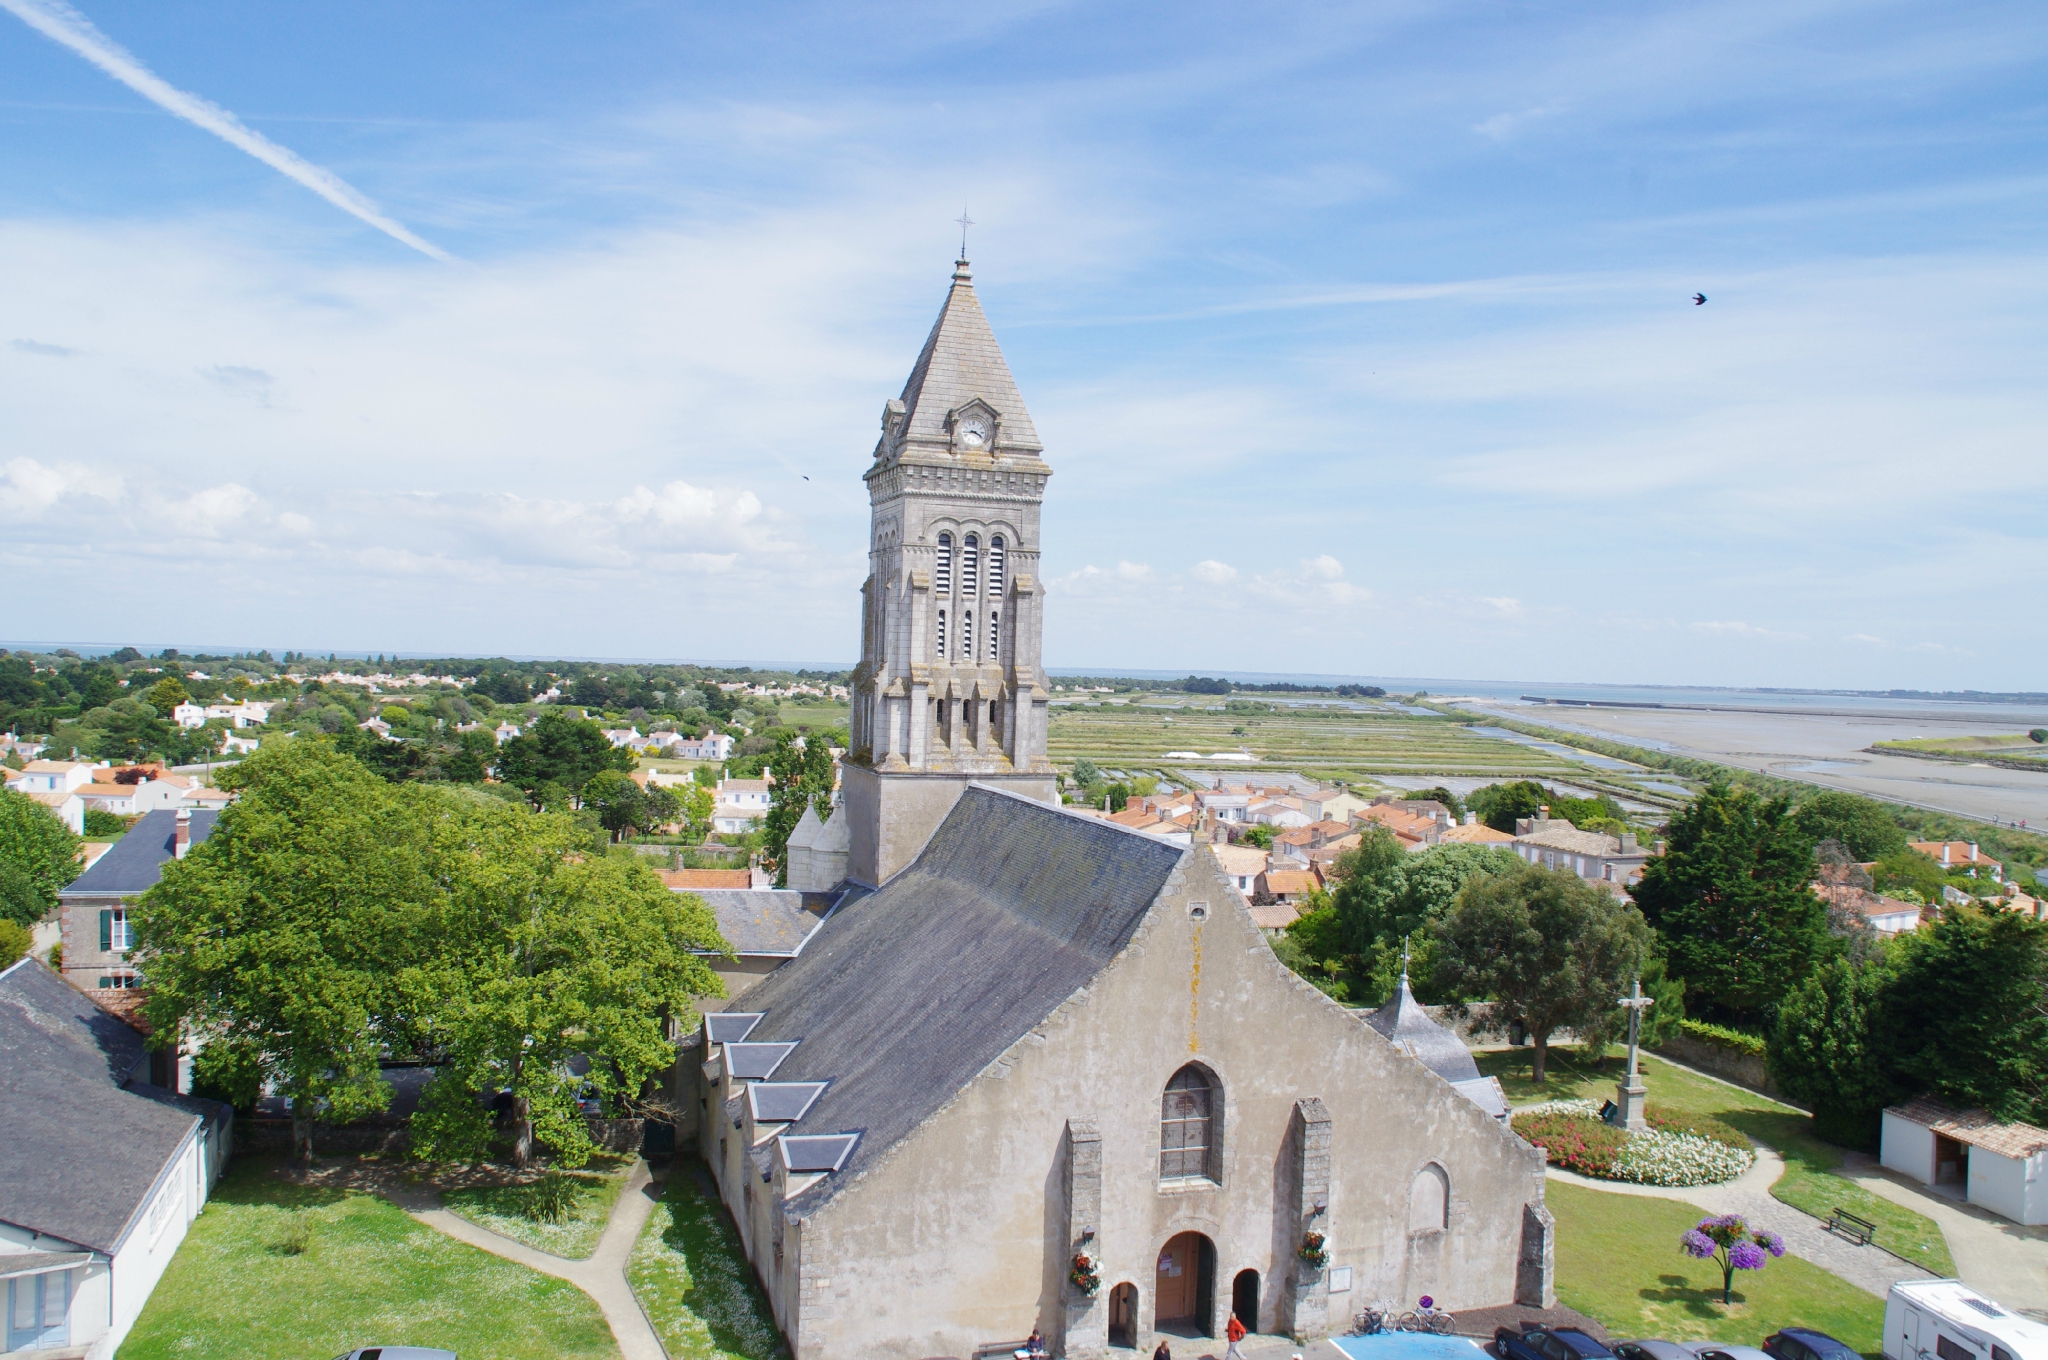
{"x":741,"y":804}
{"x":69,"y":807}
{"x":2000,"y":1166}
{"x":623,"y":736}
{"x":242,"y":714}
{"x":54,"y":776}
{"x":717,"y":746}
{"x":189,"y":714}
{"x":79,"y":1254}
{"x":505,"y":731}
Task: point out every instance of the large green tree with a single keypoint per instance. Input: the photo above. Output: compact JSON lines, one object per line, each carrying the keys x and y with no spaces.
{"x":1551,"y":950}
{"x":287,"y":937}
{"x":1733,"y":899}
{"x":803,"y":776}
{"x":547,"y":959}
{"x":1864,"y":825}
{"x":1825,"y":1051}
{"x":1965,"y":1018}
{"x":38,"y":856}
{"x":623,"y":806}
{"x":1367,"y":892}
{"x":562,"y":751}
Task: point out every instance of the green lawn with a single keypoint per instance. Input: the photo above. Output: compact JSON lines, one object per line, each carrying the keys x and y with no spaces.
{"x":1807,"y":1184}
{"x":695,"y":1283}
{"x":370,"y":1275}
{"x":498,"y":1209}
{"x":1618,"y":1262}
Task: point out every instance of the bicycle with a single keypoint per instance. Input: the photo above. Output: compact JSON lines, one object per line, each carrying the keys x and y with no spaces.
{"x":1427,"y":1318}
{"x":1371,"y":1321}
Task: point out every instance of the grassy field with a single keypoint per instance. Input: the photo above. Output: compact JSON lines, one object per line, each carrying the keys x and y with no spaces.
{"x":696,"y":1285}
{"x":1618,"y":1262}
{"x":1328,"y":743}
{"x":1808,"y":1183}
{"x":369,"y":1275}
{"x":817,"y":717}
{"x":498,"y":1209}
{"x":2009,"y":743}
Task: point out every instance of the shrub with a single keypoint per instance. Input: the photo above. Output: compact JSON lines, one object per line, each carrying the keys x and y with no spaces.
{"x":1751,"y":1045}
{"x":297,"y":1238}
{"x":1574,"y":1140}
{"x":100,"y":822}
{"x":551,"y":1199}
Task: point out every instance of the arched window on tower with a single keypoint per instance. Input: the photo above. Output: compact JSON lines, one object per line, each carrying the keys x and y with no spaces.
{"x":967,"y":636}
{"x":942,"y":573}
{"x":995,"y":566}
{"x":970,"y":561}
{"x":1188,"y":1125}
{"x":995,"y":636}
{"x":942,"y":635}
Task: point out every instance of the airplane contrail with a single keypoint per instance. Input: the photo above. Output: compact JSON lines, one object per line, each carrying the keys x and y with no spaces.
{"x":57,"y":20}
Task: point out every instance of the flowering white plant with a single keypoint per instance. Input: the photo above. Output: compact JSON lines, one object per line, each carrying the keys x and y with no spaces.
{"x":1656,"y":1157}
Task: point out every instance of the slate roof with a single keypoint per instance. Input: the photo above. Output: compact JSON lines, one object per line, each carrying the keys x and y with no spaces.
{"x":961,"y":361}
{"x":1975,"y":1127}
{"x":82,"y":1138}
{"x":137,"y":859}
{"x":770,"y":921}
{"x":1559,"y":834}
{"x":1406,"y":1024}
{"x":903,"y":997}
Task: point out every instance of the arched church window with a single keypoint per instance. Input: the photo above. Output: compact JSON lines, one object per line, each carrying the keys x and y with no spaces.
{"x":942,"y":634}
{"x":1187,"y":1126}
{"x":942,"y":574}
{"x":995,"y":635}
{"x":1429,"y":1200}
{"x":995,"y":565}
{"x":967,"y":636}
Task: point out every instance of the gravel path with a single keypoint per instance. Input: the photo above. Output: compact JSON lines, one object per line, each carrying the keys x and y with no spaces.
{"x":602,"y":1275}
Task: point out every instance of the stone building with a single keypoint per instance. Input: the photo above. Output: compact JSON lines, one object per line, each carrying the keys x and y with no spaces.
{"x":949,"y":687}
{"x":1022,"y":1035}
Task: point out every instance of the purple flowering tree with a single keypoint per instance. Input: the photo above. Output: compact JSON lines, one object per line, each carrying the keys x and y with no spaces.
{"x":1733,"y":1244}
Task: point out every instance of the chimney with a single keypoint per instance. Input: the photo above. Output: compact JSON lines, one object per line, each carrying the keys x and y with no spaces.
{"x":184,"y":834}
{"x":1471,"y":819}
{"x":1973,"y":852}
{"x":1543,"y":813}
{"x":1944,"y":854}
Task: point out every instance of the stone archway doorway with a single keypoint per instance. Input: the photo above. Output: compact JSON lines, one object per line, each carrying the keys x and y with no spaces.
{"x":1185,"y":1294}
{"x":1244,"y":1299}
{"x":1123,"y":1316}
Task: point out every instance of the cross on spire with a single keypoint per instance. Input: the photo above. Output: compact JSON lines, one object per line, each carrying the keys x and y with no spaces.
{"x":965,"y":222}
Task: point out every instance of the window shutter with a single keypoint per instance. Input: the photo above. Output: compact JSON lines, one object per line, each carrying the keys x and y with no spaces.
{"x":106,"y":930}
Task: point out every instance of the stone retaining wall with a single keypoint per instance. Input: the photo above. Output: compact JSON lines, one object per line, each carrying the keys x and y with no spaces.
{"x":1744,"y":1069}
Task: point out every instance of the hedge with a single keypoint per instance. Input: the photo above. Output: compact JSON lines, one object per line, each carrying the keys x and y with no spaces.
{"x":1742,"y":1042}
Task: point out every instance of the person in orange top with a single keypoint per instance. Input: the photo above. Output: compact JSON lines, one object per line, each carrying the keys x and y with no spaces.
{"x":1235,"y":1331}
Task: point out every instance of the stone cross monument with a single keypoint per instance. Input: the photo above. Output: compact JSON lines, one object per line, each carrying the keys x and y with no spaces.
{"x":1628,"y":1112}
{"x":948,"y":690}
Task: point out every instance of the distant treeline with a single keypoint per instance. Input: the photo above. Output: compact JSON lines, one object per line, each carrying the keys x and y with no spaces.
{"x":1197,"y":684}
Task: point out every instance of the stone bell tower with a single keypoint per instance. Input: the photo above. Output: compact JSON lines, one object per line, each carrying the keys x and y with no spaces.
{"x":949,"y":688}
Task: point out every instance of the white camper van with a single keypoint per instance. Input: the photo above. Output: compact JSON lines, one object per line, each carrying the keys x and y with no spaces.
{"x":1947,"y":1320}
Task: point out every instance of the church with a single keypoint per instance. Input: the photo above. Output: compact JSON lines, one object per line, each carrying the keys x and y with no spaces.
{"x":1035,"y":1070}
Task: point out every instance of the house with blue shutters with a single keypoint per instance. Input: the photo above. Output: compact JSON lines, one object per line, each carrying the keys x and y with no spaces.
{"x":85,"y":1238}
{"x":95,"y":907}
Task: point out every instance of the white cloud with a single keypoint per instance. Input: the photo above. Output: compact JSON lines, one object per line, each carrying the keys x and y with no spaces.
{"x":1215,"y":573}
{"x":28,"y":488}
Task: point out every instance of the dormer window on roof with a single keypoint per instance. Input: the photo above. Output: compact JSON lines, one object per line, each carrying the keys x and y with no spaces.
{"x":783,"y":1102}
{"x":756,"y":1062}
{"x":816,"y":1152}
{"x":729,"y":1027}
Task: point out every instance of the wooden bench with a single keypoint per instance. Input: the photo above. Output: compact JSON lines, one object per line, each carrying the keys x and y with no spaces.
{"x":999,"y":1350}
{"x":1862,"y":1230}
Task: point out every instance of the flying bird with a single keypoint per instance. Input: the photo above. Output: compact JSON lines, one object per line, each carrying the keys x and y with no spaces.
{"x":807,"y":478}
{"x":1699,"y":299}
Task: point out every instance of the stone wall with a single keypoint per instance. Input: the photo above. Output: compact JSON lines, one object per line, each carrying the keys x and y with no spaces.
{"x":1744,"y":1069}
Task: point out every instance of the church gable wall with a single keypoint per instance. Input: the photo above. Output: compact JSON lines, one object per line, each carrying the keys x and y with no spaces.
{"x":962,"y":1237}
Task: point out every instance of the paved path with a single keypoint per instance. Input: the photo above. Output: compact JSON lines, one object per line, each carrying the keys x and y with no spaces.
{"x":602,"y":1275}
{"x":1996,"y":1255}
{"x":1869,"y":1268}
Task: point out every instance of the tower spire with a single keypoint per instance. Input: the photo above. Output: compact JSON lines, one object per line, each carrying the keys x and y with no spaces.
{"x":965,"y":222}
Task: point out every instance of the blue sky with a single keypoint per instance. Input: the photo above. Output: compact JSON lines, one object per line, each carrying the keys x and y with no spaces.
{"x":1360,"y":337}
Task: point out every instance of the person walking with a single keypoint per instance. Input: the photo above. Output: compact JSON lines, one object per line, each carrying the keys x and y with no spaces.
{"x":1164,"y":1352}
{"x":1235,"y":1333}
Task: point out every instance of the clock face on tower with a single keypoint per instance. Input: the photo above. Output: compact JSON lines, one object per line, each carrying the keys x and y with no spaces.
{"x":974,"y":432}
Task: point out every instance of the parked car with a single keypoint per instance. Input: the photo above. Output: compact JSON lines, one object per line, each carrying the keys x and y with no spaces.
{"x":397,"y":1353}
{"x":1803,"y":1343}
{"x":1716,"y":1350}
{"x":1653,"y":1350}
{"x":1547,"y":1343}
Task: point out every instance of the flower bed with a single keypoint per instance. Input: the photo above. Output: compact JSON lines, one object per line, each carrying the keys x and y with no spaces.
{"x":1577,"y":1139}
